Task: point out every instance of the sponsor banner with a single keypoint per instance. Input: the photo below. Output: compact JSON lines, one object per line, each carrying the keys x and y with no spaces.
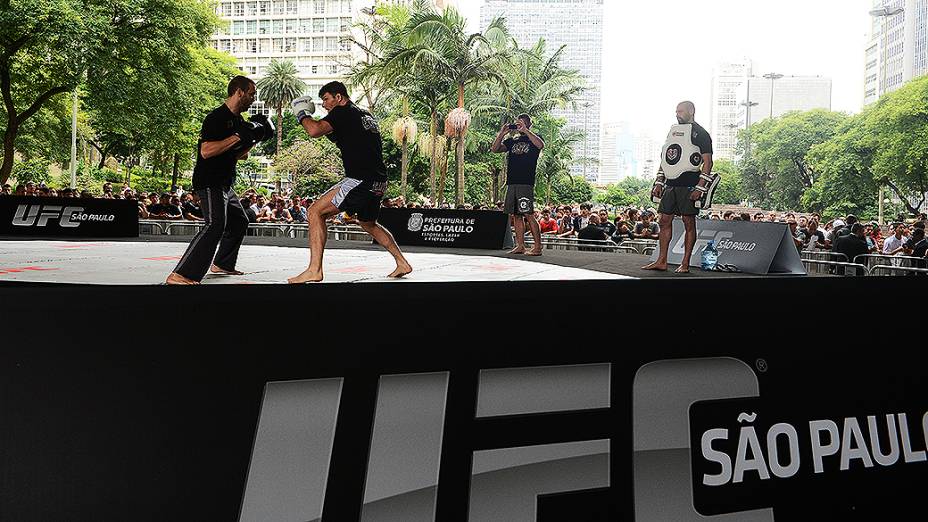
{"x":71,"y":217}
{"x":485,"y":229}
{"x":754,"y":248}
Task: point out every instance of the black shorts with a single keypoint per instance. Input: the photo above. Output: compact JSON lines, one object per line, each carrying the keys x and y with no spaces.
{"x":360,"y":198}
{"x":520,"y":199}
{"x":676,"y":202}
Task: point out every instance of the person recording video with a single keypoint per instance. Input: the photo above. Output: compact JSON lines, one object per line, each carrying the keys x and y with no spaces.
{"x":523,"y":147}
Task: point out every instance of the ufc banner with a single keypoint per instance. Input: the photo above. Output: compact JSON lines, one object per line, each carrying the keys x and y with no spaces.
{"x":754,"y":248}
{"x":485,"y":229}
{"x":71,"y":217}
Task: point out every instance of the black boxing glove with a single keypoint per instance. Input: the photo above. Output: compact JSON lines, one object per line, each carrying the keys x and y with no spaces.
{"x":264,"y":127}
{"x":247,"y":134}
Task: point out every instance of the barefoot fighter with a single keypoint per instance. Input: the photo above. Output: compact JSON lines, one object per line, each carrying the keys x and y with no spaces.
{"x":523,"y":148}
{"x":684,"y":184}
{"x":357,"y":135}
{"x":225,"y":138}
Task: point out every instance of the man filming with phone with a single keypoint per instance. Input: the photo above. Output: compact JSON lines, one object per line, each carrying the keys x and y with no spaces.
{"x":523,"y":147}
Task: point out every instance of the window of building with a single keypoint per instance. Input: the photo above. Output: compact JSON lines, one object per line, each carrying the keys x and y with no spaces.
{"x":251,"y":8}
{"x":306,"y":25}
{"x":317,"y":44}
{"x":225,"y":9}
{"x":278,"y":45}
{"x":332,"y":25}
{"x":345,"y":24}
{"x":333,"y":69}
{"x":264,"y":7}
{"x":251,"y":27}
{"x":238,"y":9}
{"x":318,"y":25}
{"x":290,"y":26}
{"x":306,"y":45}
{"x":264,"y":27}
{"x":331,"y":44}
{"x":251,"y":45}
{"x":344,"y":45}
{"x":277,"y":26}
{"x":277,"y":7}
{"x":314,"y":69}
{"x":289,"y":45}
{"x":293,"y":7}
{"x":319,"y":7}
{"x":238,"y":27}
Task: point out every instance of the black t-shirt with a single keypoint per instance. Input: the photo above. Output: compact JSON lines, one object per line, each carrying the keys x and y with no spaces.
{"x":357,"y":135}
{"x":852,"y":246}
{"x":592,"y":232}
{"x":919,"y":249}
{"x":193,"y":209}
{"x":218,"y":171}
{"x":158,"y":208}
{"x":702,"y":140}
{"x":608,"y":228}
{"x":522,"y":161}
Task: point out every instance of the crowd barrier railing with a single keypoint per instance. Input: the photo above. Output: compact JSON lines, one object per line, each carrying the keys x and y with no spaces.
{"x":815,"y":267}
{"x":336,"y":232}
{"x":872,"y":261}
{"x":572,"y":243}
{"x":887,"y":270}
{"x":642,"y":245}
{"x":815,"y":255}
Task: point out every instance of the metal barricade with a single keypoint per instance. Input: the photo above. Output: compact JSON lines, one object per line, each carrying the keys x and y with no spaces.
{"x":150,"y":228}
{"x":183,"y":228}
{"x":824,"y":256}
{"x":641,"y":244}
{"x":572,"y":243}
{"x":885,"y":270}
{"x":814,"y":267}
{"x":648,"y":250}
{"x":874,"y":260}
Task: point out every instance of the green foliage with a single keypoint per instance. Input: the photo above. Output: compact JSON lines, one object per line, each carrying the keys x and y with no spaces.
{"x":315,"y":165}
{"x":34,"y":170}
{"x":131,"y":54}
{"x":616,"y":196}
{"x":776,"y":172}
{"x":729,"y":191}
{"x":571,"y":189}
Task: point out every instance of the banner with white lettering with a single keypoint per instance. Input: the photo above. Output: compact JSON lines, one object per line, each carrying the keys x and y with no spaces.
{"x":485,"y":229}
{"x":68,"y":217}
{"x":752,"y":248}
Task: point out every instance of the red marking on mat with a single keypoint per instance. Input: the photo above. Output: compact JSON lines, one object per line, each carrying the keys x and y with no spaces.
{"x":495,"y":268}
{"x":350,"y":270}
{"x":24,"y":269}
{"x":81,"y":245}
{"x":162,"y":258}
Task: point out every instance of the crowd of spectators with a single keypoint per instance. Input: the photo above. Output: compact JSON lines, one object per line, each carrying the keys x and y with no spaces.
{"x":848,"y":235}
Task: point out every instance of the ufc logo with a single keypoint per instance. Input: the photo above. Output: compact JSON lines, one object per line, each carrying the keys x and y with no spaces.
{"x":40,"y":215}
{"x":296,"y":431}
{"x":702,"y":240}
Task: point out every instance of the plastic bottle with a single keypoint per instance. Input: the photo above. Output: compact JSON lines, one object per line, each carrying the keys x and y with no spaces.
{"x":710,"y":257}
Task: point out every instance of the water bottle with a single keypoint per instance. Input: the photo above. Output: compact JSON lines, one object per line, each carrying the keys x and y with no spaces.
{"x":710,"y":257}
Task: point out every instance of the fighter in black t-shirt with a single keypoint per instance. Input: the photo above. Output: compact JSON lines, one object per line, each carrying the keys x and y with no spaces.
{"x":357,"y":135}
{"x":679,"y":196}
{"x":224,"y":139}
{"x":523,"y":150}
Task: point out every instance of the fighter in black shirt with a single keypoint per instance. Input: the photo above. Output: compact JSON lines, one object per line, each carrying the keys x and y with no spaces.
{"x":223,"y":141}
{"x":357,"y":135}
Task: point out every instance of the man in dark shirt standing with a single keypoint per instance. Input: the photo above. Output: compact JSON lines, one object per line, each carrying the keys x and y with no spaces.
{"x":522,"y":162}
{"x":853,"y":244}
{"x":357,"y":135}
{"x":223,"y":141}
{"x":679,"y":196}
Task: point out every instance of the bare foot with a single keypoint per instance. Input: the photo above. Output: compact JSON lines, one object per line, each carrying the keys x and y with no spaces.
{"x":222,"y":271}
{"x":660,"y":267}
{"x":401,"y":270}
{"x":307,"y":276}
{"x":683,"y":269}
{"x":176,"y":279}
{"x":517,"y":250}
{"x":533,"y":252}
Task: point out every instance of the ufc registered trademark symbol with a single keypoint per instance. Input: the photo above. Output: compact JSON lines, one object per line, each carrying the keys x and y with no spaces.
{"x":761,"y":365}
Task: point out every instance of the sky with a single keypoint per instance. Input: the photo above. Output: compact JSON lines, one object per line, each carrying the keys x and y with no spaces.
{"x":659,"y":52}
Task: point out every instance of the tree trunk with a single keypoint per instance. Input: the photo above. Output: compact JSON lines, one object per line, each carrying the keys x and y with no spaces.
{"x":443,"y":171}
{"x":908,"y":206}
{"x":459,"y":185}
{"x":494,"y":185}
{"x":9,"y":138}
{"x":433,"y":159}
{"x":404,"y":167}
{"x":174,"y":172}
{"x":280,"y":131}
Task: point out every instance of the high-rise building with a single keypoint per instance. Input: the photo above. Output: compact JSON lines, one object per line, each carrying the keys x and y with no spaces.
{"x":578,"y":24}
{"x":775,"y":95}
{"x":313,"y":34}
{"x":734,"y":87}
{"x":647,"y":156}
{"x":897,"y":50}
{"x":726,"y":115}
{"x":618,"y":153}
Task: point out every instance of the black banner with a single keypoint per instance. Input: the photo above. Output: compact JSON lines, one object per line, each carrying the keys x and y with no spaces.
{"x":447,"y":228}
{"x":72,"y":217}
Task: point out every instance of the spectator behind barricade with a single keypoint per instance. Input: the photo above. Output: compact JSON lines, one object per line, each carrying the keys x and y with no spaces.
{"x":7,"y":190}
{"x":107,"y":190}
{"x":143,"y":208}
{"x":916,"y":233}
{"x":297,"y":211}
{"x":547,"y":224}
{"x":646,"y":229}
{"x":814,"y":238}
{"x":191,"y":207}
{"x":566,"y":225}
{"x":853,"y":243}
{"x":249,"y":209}
{"x":798,"y":237}
{"x":592,"y":231}
{"x":604,"y":223}
{"x":745,"y":216}
{"x":583,"y":219}
{"x":165,"y":209}
{"x":86,"y":194}
{"x":772,"y":217}
{"x":728,"y":215}
{"x":842,"y":228}
{"x":257,"y":203}
{"x":758,"y":217}
{"x":920,"y":247}
{"x":280,"y":213}
{"x":895,"y":244}
{"x":872,"y":244}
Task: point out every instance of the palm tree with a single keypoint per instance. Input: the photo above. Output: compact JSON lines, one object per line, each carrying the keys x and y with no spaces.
{"x":437,"y":45}
{"x":278,"y":88}
{"x":405,"y":130}
{"x":557,"y":157}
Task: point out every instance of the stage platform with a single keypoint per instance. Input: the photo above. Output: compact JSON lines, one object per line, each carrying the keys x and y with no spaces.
{"x":148,"y":260}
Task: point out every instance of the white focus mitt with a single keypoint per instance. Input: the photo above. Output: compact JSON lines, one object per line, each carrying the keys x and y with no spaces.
{"x":303,"y":107}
